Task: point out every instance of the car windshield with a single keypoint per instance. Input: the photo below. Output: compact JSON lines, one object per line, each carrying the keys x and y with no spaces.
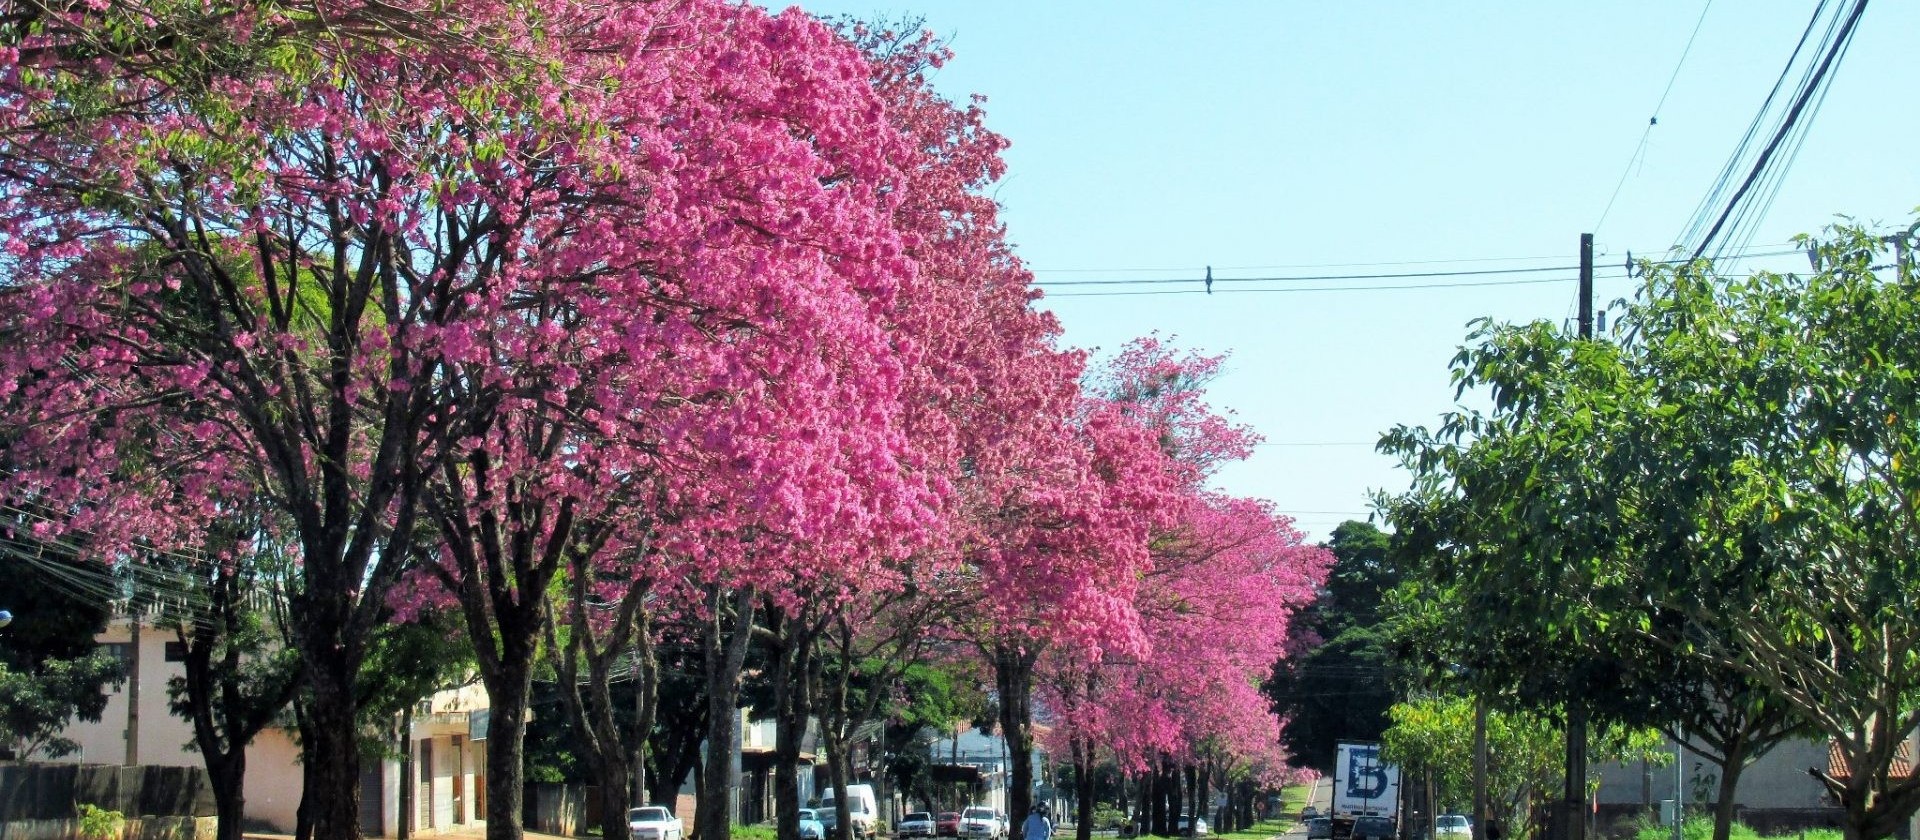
{"x":918,"y":816}
{"x":1453,"y":821}
{"x":648,"y":815}
{"x":979,"y":813}
{"x":949,"y":815}
{"x":806,"y":813}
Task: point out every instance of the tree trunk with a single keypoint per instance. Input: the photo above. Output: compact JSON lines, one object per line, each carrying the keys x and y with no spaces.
{"x":589,"y":703}
{"x":1082,"y":789}
{"x":1158,"y":802}
{"x":792,"y":672}
{"x":329,"y":739}
{"x":1193,"y":798}
{"x":1013,"y":677}
{"x":1729,"y":784}
{"x":672,"y":766}
{"x":837,"y":776}
{"x":228,"y":775}
{"x":509,"y":690}
{"x":726,"y":653}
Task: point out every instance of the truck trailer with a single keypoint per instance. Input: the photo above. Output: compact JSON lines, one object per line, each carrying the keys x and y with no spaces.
{"x":1363,"y":786}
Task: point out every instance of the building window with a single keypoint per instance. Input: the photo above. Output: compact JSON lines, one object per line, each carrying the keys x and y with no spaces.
{"x":176,"y":651}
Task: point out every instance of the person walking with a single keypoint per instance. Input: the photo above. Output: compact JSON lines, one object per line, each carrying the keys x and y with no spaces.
{"x":1037,"y":826}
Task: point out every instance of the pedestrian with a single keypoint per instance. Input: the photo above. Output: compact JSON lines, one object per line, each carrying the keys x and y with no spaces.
{"x":1037,"y":826}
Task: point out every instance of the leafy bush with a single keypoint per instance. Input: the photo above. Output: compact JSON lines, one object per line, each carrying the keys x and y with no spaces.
{"x":1106,"y":816}
{"x":1695,"y":828}
{"x":100,"y":824}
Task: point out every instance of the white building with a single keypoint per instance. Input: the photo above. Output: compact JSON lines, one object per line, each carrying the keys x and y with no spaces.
{"x":447,"y":773}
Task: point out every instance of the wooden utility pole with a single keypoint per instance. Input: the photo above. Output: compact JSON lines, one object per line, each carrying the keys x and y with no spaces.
{"x":1480,"y":814}
{"x":1586,"y":285}
{"x":133,"y":686}
{"x":1573,"y":824}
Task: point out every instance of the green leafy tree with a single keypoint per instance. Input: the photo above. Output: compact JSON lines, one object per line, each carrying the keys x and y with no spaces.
{"x":1730,"y":482}
{"x":238,"y":674}
{"x":51,"y":669}
{"x":1435,"y":734}
{"x":1339,"y":687}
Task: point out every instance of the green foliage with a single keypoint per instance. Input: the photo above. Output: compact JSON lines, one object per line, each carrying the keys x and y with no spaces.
{"x":1726,"y":487}
{"x":51,"y":669}
{"x":99,"y":824}
{"x":757,"y":831}
{"x":1338,"y":687}
{"x":1698,"y":828}
{"x":1437,"y":733}
{"x":36,"y":705}
{"x":406,"y":663}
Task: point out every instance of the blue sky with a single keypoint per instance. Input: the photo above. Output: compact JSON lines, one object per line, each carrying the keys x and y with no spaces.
{"x":1292,"y":138}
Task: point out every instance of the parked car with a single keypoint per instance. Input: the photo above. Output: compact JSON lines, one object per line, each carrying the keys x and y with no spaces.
{"x":1372,"y":828}
{"x":654,"y":823}
{"x":1320,"y":828}
{"x":1199,"y":826}
{"x":1454,"y":825}
{"x":982,"y":824}
{"x":810,"y":827}
{"x":1309,"y":813}
{"x":946,"y":824}
{"x":915,"y":824}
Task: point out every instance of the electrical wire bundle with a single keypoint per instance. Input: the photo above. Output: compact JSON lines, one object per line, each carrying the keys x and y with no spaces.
{"x":1730,"y":213}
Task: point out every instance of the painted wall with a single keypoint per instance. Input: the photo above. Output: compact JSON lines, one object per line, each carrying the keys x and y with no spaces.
{"x":1776,"y":780}
{"x":273,"y":784}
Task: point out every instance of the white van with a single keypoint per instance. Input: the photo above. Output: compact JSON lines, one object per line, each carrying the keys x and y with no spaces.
{"x":862,"y":810}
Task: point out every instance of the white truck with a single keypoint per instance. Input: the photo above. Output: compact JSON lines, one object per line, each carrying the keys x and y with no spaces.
{"x":1364,"y":786}
{"x":862,"y":811}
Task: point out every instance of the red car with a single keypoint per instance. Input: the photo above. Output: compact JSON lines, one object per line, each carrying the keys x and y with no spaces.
{"x":946,"y":824}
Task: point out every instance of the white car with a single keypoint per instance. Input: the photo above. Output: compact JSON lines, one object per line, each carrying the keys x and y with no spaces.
{"x":1199,"y":826}
{"x":654,"y":823}
{"x":915,"y":824}
{"x":1454,"y":825}
{"x":981,"y":824}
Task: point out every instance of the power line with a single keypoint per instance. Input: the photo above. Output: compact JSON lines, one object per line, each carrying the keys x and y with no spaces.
{"x":1398,"y":287}
{"x":1813,"y":82}
{"x":1297,"y":265}
{"x":1198,"y":276}
{"x":1310,"y":277}
{"x":1655,"y":118}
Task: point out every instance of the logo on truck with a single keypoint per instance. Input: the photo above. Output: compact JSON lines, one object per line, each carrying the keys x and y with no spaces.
{"x":1366,"y":776}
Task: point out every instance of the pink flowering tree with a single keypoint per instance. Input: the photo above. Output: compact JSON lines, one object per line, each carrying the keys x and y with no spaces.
{"x":485,"y":299}
{"x":988,"y":405}
{"x":224,"y":281}
{"x":1224,"y":576}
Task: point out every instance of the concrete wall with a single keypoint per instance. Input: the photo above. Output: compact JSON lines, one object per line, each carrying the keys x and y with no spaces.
{"x":1777,"y":780}
{"x":273,"y":767}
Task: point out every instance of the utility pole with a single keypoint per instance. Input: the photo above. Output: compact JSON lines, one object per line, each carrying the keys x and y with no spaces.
{"x":1479,"y":765}
{"x":1586,"y":285}
{"x":1573,"y":815}
{"x":133,"y":685}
